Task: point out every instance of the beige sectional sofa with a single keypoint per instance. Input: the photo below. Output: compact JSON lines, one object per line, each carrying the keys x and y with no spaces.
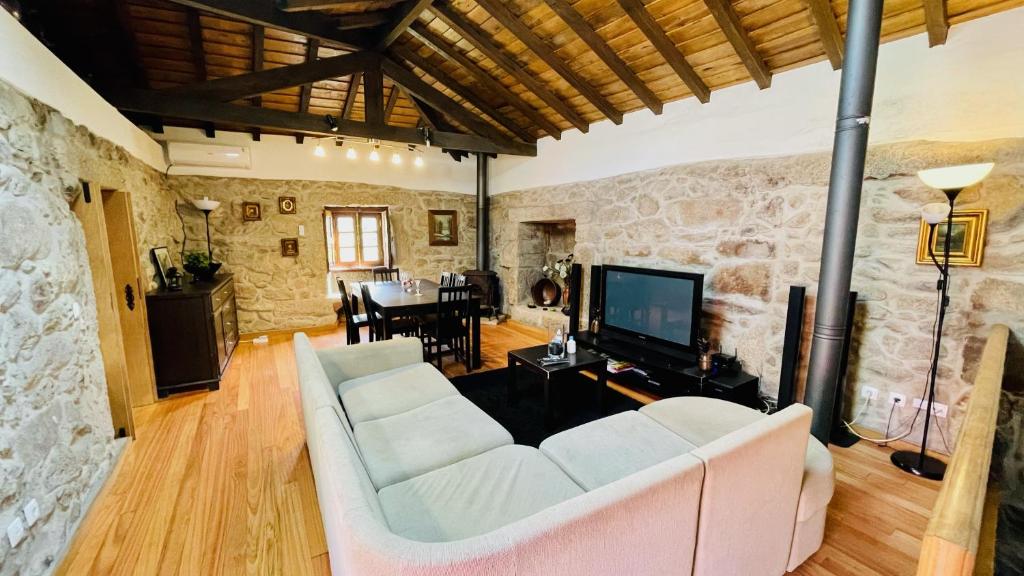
{"x":413,"y":478}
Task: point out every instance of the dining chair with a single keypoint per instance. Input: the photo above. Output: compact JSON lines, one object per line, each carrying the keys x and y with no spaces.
{"x":385,"y":274}
{"x":353,"y":322}
{"x":450,"y":327}
{"x":403,"y":326}
{"x":447,"y":278}
{"x":458,"y":280}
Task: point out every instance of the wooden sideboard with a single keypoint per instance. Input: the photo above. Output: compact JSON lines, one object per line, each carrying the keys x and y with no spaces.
{"x":193,"y":332}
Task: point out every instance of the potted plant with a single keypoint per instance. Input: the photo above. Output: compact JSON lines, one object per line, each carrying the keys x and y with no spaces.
{"x":198,"y":264}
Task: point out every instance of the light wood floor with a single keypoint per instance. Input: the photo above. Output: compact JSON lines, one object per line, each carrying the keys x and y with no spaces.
{"x":220,"y":483}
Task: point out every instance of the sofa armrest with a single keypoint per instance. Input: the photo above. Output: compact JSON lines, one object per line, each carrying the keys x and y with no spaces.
{"x":348,"y":362}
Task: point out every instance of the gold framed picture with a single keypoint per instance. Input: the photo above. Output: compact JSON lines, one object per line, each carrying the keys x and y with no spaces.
{"x":286,"y":204}
{"x":443,"y":227}
{"x":967,"y":243}
{"x":251,"y":212}
{"x":289,"y":247}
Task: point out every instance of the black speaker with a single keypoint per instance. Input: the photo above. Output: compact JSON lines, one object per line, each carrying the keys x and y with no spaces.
{"x":840,"y":436}
{"x":791,"y":346}
{"x":575,"y":297}
{"x":596,"y":297}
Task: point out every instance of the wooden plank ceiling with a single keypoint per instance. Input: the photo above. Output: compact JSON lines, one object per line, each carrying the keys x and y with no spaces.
{"x":517,"y":69}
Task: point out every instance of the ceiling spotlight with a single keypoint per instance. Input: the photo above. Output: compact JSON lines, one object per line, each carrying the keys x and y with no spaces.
{"x":418,"y":162}
{"x":332,"y":123}
{"x":319,"y":151}
{"x":396,"y":158}
{"x":351,"y":154}
{"x":426,"y":135}
{"x":374,"y":154}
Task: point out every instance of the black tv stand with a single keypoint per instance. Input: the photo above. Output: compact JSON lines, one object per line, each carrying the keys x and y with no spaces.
{"x":669,"y":374}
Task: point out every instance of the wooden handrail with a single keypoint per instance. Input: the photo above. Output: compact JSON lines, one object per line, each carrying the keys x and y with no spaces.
{"x":950,"y":543}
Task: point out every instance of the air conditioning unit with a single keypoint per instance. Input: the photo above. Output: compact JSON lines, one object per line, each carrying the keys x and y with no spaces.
{"x":209,"y":155}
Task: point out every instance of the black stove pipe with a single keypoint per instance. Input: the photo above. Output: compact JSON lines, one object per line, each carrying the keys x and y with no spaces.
{"x":848,"y":156}
{"x":483,"y":216}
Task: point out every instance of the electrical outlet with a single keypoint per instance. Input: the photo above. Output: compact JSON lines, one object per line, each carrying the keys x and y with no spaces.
{"x":15,"y":531}
{"x":869,"y":392}
{"x":31,"y":511}
{"x":897,"y":398}
{"x":938,"y":408}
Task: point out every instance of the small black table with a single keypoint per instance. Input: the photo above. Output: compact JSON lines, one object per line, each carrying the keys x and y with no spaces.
{"x":578,"y":362}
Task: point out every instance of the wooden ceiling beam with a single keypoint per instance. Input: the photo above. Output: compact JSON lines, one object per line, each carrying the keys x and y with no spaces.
{"x":936,"y":20}
{"x":485,"y":80}
{"x":731,"y":26}
{"x":306,"y":91}
{"x":405,"y":15}
{"x":389,"y":108}
{"x":373,"y":96}
{"x":265,"y":13}
{"x":184,"y":107}
{"x":579,"y":25}
{"x":247,"y":85}
{"x":258,"y":37}
{"x":663,"y":44}
{"x":500,"y":12}
{"x":364,"y":20}
{"x":350,"y":95}
{"x":464,"y":92}
{"x":484,"y":44}
{"x":828,"y":30}
{"x":314,"y":5}
{"x":433,"y":120}
{"x":416,"y":86}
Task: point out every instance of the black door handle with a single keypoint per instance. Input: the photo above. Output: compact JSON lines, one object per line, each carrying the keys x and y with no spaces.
{"x":129,"y":296}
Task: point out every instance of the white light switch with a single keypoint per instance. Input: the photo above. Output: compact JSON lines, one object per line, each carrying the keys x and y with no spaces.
{"x":302,"y":230}
{"x":15,"y":532}
{"x":31,"y":512}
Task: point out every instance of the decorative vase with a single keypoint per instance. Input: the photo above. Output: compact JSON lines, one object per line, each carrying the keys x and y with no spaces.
{"x":545,"y":293}
{"x":704,"y":363}
{"x":565,"y":299}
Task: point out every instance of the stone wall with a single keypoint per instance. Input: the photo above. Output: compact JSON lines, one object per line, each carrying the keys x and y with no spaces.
{"x":754,"y":228}
{"x":275,"y":292}
{"x":56,"y":435}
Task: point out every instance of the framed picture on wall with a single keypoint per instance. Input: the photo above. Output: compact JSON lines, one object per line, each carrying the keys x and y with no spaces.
{"x":967,"y":243}
{"x":162,"y":261}
{"x":443,"y":227}
{"x":251,"y":212}
{"x":286,"y":204}
{"x":289,"y":247}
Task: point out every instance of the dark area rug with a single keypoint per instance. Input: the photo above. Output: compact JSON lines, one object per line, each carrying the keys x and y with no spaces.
{"x":575,"y":398}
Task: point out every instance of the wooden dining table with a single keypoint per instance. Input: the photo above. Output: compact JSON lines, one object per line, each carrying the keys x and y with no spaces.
{"x":394,"y":302}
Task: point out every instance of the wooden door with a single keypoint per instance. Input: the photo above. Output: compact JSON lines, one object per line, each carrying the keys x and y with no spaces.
{"x":131,"y":301}
{"x":89,"y":209}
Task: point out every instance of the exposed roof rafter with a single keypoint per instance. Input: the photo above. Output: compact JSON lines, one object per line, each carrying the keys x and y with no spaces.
{"x":406,"y":13}
{"x":828,"y":30}
{"x":502,"y":14}
{"x":937,"y":21}
{"x":729,"y":22}
{"x":664,"y":45}
{"x":465,"y":29}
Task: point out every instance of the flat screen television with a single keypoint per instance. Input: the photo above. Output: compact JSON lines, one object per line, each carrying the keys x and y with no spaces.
{"x":659,"y":307}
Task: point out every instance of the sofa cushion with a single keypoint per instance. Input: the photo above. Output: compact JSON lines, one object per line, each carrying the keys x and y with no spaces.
{"x":415,"y":442}
{"x":611,"y":448}
{"x":700,"y":420}
{"x":476,"y":495}
{"x":393,"y":391}
{"x":343,"y":363}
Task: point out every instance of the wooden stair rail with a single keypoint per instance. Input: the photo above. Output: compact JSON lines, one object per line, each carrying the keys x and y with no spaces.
{"x":950,"y":544}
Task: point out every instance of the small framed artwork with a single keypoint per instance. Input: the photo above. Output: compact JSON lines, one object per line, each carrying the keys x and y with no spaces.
{"x":286,"y":204}
{"x":251,"y":212}
{"x":443,"y":227}
{"x":289,"y":247}
{"x":162,"y":261}
{"x":967,"y":242}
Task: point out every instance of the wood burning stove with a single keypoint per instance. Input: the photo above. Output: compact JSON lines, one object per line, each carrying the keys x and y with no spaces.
{"x":484,"y":283}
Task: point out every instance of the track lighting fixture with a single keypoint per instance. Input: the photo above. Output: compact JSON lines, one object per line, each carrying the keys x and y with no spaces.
{"x":396,"y":157}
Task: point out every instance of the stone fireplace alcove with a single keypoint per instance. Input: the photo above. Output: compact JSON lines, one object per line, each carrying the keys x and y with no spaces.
{"x":538,"y":242}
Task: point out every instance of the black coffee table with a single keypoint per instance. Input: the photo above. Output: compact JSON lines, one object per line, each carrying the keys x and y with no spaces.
{"x":578,"y":362}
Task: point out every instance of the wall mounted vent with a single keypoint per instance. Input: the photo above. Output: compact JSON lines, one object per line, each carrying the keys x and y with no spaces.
{"x":213,"y":155}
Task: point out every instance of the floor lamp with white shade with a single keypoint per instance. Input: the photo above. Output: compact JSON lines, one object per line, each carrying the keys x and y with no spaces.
{"x":951,"y":180}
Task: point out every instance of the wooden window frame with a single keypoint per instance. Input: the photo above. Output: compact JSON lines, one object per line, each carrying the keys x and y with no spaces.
{"x":331,"y":237}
